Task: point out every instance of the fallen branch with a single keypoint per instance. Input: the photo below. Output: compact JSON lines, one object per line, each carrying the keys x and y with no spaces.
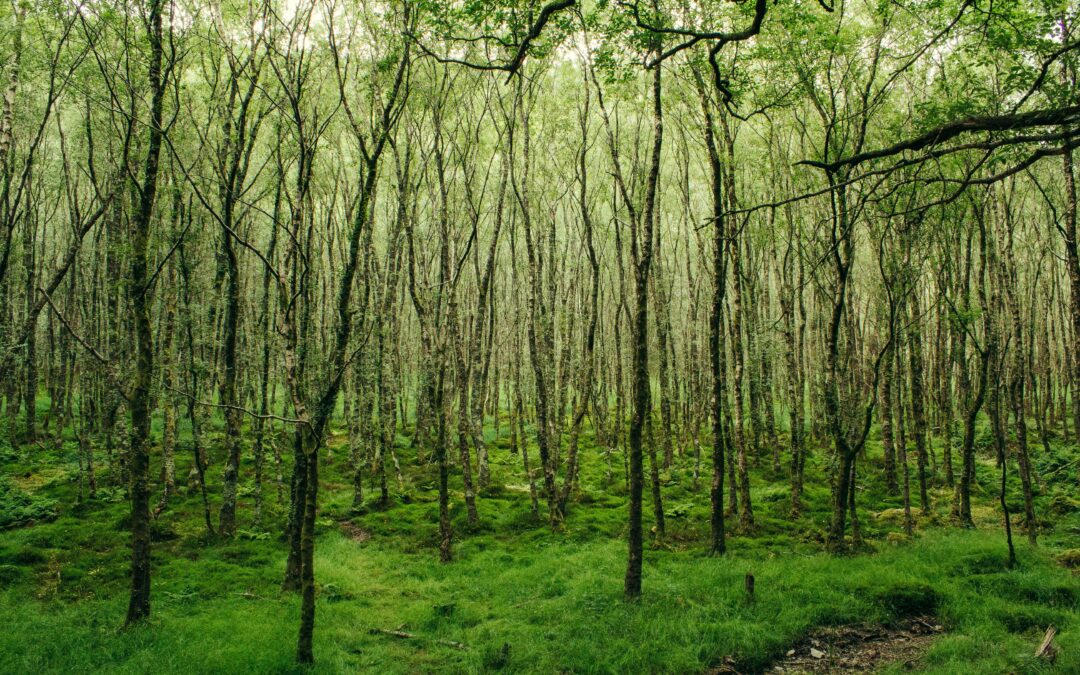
{"x":456,"y":645}
{"x":1046,"y":649}
{"x":1061,"y":468}
{"x":404,"y":635}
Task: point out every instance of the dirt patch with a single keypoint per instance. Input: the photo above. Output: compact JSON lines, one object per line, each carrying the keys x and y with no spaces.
{"x":354,"y":531}
{"x":860,"y":648}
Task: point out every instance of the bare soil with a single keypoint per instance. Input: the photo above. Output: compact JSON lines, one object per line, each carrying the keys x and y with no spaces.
{"x":858,"y":648}
{"x":354,"y":531}
{"x":861,"y":648}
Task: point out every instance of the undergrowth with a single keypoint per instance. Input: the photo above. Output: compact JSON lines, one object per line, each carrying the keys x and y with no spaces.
{"x":519,"y":597}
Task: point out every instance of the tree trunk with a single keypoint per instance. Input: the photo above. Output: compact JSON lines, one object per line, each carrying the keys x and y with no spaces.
{"x":139,"y":400}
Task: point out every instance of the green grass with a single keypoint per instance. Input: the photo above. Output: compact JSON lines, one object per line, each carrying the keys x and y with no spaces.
{"x":518,"y":597}
{"x":557,"y":605}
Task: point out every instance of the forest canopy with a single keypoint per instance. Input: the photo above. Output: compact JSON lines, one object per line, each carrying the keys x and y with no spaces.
{"x":693,"y":280}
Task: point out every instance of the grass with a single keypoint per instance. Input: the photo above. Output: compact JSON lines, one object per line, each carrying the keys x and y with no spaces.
{"x":519,"y":598}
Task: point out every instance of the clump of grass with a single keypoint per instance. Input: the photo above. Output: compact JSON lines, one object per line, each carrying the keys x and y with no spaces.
{"x":903,"y":599}
{"x":1070,"y":558}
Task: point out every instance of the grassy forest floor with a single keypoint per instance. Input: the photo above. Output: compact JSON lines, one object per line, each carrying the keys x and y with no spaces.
{"x":518,"y":597}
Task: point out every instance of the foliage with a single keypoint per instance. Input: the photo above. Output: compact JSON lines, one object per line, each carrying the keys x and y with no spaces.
{"x":19,"y":508}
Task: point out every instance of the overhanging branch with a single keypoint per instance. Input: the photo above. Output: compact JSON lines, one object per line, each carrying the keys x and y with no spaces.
{"x":951,"y":130}
{"x":514,"y":64}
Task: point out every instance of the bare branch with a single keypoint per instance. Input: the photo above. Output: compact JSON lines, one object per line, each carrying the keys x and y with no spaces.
{"x":268,"y":416}
{"x":106,"y":364}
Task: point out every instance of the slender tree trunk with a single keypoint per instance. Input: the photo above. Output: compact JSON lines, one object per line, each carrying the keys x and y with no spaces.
{"x":229,"y":398}
{"x":642,"y":246}
{"x":139,"y":400}
{"x":1072,"y":259}
{"x":918,"y":411}
{"x":717,"y":545}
